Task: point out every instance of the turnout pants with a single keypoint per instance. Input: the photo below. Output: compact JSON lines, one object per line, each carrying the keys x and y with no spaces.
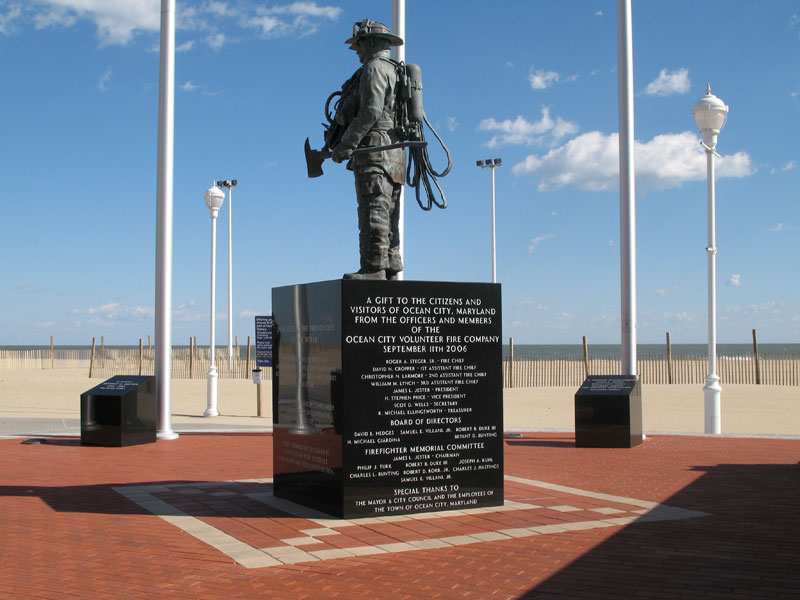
{"x":378,"y":220}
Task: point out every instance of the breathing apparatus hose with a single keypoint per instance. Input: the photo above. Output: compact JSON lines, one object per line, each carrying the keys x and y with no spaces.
{"x":420,"y":170}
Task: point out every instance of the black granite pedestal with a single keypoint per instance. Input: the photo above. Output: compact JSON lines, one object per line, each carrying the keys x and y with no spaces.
{"x":387,"y":396}
{"x":608,"y":412}
{"x":121,"y":411}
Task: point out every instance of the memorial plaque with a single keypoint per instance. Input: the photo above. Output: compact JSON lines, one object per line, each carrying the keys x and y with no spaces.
{"x":121,"y":411}
{"x":608,"y":412}
{"x":387,"y":396}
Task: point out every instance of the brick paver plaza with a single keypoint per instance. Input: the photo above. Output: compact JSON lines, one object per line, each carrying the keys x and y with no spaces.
{"x":677,"y":517}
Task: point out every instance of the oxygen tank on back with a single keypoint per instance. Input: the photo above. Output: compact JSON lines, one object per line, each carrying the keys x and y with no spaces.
{"x":414,"y":102}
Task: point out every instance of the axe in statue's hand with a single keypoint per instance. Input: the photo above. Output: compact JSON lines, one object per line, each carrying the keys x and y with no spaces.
{"x":315,"y":158}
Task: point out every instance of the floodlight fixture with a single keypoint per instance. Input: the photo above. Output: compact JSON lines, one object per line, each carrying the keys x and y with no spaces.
{"x":492,"y":164}
{"x":230,"y":184}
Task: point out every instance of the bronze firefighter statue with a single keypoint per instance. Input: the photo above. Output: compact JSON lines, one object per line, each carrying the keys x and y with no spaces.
{"x":377,"y":115}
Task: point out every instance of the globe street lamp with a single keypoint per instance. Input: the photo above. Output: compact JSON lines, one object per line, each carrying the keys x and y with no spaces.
{"x":492,"y":164}
{"x":710,"y":114}
{"x":214,"y":198}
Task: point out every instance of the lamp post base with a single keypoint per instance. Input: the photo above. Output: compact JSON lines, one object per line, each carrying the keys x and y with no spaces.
{"x":211,"y":396}
{"x":713,"y":411}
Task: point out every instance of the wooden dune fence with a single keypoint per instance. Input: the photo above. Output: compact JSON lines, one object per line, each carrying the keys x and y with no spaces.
{"x":187,"y":363}
{"x":59,"y":358}
{"x":769,"y":369}
{"x":107,"y":362}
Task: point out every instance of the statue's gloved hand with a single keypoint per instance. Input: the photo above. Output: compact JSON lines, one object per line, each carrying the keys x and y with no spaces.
{"x":341,"y":153}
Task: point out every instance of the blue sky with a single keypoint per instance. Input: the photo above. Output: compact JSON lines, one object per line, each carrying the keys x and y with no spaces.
{"x":534,"y":83}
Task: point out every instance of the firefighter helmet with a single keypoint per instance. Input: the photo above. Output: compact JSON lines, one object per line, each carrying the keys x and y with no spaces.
{"x":372,"y":29}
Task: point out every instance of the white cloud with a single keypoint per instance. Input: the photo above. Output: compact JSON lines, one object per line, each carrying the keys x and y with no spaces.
{"x":102,"y":84}
{"x":541,"y":79}
{"x":188,"y":87}
{"x":789,"y":166}
{"x":120,"y":21}
{"x":750,"y":310}
{"x":265,"y":23}
{"x":297,"y":18}
{"x":54,"y":16}
{"x":452,"y":124}
{"x":783,"y":227}
{"x":309,"y":9}
{"x":668,"y":83}
{"x":545,"y":131}
{"x":190,"y":312}
{"x":117,"y":22}
{"x":664,"y":291}
{"x":534,"y":304}
{"x":735,"y":280}
{"x":7,"y":20}
{"x":681,"y":316}
{"x":220,"y":9}
{"x":535,"y":242}
{"x":185,"y":47}
{"x":598,"y":13}
{"x":591,"y":162}
{"x":215,"y":41}
{"x":114,"y":312}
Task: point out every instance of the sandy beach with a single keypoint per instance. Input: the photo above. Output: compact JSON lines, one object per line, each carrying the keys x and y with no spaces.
{"x":746,"y":409}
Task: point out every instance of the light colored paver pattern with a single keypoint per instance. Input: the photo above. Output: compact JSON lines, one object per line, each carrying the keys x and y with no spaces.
{"x":291,"y":549}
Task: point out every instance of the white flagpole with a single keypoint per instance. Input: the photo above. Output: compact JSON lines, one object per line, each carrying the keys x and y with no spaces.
{"x":164,"y":185}
{"x":627,"y":188}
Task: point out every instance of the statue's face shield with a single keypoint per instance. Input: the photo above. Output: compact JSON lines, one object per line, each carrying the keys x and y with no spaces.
{"x":359,"y":25}
{"x":358,"y":28}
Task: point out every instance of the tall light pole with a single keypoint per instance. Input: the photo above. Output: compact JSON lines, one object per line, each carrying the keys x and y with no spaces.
{"x":164,"y":189}
{"x":214,"y":198}
{"x":230,"y":184}
{"x":492,"y":164}
{"x":710,"y":114}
